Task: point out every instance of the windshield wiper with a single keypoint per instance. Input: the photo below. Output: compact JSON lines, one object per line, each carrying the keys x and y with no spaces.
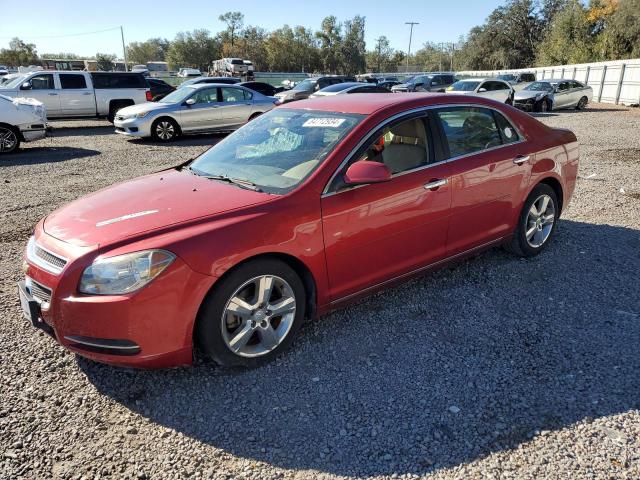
{"x":235,"y":181}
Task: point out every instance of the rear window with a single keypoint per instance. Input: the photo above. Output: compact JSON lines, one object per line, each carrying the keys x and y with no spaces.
{"x":69,"y":80}
{"x":118,"y":80}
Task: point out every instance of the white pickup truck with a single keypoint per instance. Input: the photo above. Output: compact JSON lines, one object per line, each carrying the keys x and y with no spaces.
{"x":68,"y":94}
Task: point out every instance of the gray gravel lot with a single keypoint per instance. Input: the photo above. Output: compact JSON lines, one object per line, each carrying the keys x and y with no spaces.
{"x":494,"y":368}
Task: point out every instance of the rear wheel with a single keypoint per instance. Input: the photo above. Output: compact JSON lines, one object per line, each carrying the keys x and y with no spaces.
{"x":164,"y":130}
{"x":254,"y":116}
{"x":582,"y":103}
{"x":9,"y":140}
{"x":253,"y":315}
{"x":536,"y":223}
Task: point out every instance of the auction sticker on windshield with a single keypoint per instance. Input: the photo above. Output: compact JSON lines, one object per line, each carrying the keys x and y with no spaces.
{"x":324,"y":122}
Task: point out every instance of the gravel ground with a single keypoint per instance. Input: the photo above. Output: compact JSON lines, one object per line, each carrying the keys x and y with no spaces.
{"x":495,"y":368}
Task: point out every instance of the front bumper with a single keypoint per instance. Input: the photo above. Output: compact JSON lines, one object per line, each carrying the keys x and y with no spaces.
{"x":33,"y":131}
{"x":133,"y":127}
{"x":527,"y":105}
{"x":149,"y":328}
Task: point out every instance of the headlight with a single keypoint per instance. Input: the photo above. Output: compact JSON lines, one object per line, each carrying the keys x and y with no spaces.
{"x":124,"y":273}
{"x":141,"y":114}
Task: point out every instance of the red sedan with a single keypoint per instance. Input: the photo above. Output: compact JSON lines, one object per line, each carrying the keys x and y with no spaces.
{"x":305,"y":209}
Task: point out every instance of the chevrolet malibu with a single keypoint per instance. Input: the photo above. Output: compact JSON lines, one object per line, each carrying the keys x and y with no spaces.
{"x":307,"y":208}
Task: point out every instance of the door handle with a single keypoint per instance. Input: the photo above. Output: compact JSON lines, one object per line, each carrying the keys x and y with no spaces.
{"x":432,"y":185}
{"x":52,"y":94}
{"x":520,"y":159}
{"x":87,"y":93}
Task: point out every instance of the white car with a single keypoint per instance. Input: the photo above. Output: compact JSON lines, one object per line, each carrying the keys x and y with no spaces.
{"x":189,"y":72}
{"x":3,"y":70}
{"x":493,"y":88}
{"x":21,"y":120}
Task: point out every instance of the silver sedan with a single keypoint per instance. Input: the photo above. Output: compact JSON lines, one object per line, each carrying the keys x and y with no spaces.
{"x":553,"y":94}
{"x":196,"y":108}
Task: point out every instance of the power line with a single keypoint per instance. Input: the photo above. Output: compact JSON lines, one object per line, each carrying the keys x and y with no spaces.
{"x":61,"y":36}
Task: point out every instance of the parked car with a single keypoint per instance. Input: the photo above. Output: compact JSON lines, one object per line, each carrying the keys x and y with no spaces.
{"x":262,"y":87}
{"x":348,"y":87}
{"x":140,"y":69}
{"x":309,"y":207}
{"x":67,"y":94}
{"x":308,"y":86}
{"x":493,"y":88}
{"x":4,"y":70}
{"x":198,"y":80}
{"x":431,"y":82}
{"x":193,"y":109}
{"x":8,"y":77}
{"x":189,"y":72}
{"x":520,"y":77}
{"x":21,"y":120}
{"x":553,"y":94}
{"x":388,"y":84}
{"x":159,"y":88}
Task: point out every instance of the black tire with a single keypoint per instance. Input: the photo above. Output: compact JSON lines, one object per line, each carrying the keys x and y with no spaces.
{"x":9,"y":139}
{"x":519,"y":245}
{"x":543,"y":106}
{"x":209,"y":335}
{"x":254,"y":116}
{"x":165,"y":129}
{"x":582,"y":103}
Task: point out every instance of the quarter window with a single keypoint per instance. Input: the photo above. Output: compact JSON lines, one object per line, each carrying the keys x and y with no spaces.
{"x":507,"y":132}
{"x":469,"y":129}
{"x":42,"y":82}
{"x":72,"y":81}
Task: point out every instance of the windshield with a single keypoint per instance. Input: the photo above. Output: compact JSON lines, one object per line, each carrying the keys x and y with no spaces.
{"x":177,"y":96}
{"x":15,"y":82}
{"x":463,"y":87}
{"x":305,"y":85}
{"x":277,"y":150}
{"x":507,"y":77}
{"x":540,"y":86}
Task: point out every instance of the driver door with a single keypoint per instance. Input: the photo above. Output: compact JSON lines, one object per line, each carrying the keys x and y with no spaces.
{"x":202,"y":115}
{"x":376,"y":232}
{"x":43,"y":89}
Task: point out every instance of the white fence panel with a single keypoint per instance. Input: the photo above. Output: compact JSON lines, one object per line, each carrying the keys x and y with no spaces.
{"x":612,"y":82}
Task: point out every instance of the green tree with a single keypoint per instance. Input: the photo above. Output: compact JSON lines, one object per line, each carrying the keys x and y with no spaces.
{"x":234,"y":21}
{"x":353,"y":48}
{"x":104,"y":62}
{"x":568,"y":39}
{"x":330,"y":44}
{"x":19,"y":53}
{"x":154,"y":49}
{"x":378,"y":59}
{"x":251,"y":45}
{"x":622,"y":35}
{"x":195,"y":49}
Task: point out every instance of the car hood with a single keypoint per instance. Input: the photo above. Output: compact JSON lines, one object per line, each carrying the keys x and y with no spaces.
{"x":144,"y":107}
{"x":145,"y":204}
{"x":526,"y":94}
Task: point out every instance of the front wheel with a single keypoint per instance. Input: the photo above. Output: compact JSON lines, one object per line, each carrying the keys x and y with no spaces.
{"x":253,"y":315}
{"x":9,"y":140}
{"x":536,"y":223}
{"x":164,"y":130}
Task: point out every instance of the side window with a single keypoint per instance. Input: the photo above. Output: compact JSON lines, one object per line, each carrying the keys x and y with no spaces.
{"x":563,"y":86}
{"x":575,"y":84}
{"x":247,"y":94}
{"x":72,"y":81}
{"x":436,"y":81}
{"x":42,"y":82}
{"x":469,"y":129}
{"x":501,"y":86}
{"x":486,"y":86}
{"x":528,"y":77}
{"x":507,"y":132}
{"x":229,"y":94}
{"x":206,"y":96}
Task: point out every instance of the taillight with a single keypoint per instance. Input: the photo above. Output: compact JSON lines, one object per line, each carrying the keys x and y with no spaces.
{"x":149,"y":95}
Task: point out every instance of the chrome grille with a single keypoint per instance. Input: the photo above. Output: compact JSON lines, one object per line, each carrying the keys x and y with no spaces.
{"x":50,"y":258}
{"x":39,"y":292}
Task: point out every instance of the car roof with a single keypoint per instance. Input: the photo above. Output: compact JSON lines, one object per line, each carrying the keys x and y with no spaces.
{"x":368,"y":103}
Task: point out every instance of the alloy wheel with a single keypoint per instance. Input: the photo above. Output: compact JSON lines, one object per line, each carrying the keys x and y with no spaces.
{"x":165,"y":130}
{"x":258,"y":316}
{"x":544,"y":107}
{"x":8,"y":140}
{"x":540,"y":221}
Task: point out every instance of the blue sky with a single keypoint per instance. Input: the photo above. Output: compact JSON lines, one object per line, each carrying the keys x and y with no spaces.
{"x":439,"y":21}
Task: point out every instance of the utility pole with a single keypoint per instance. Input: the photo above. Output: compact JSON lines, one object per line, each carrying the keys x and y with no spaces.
{"x":410,"y":36}
{"x":379,"y":52}
{"x":124,"y":49}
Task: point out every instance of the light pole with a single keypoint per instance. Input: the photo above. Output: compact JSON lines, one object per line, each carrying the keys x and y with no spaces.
{"x":410,"y":36}
{"x":124,"y":49}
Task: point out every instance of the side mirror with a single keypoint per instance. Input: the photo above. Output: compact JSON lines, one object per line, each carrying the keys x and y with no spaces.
{"x":190,"y":101}
{"x":364,"y":171}
{"x":25,"y":86}
{"x":480,"y":90}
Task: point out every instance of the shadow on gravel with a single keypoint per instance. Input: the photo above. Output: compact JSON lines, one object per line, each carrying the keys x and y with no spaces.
{"x":555,"y":113}
{"x":83,"y":131}
{"x":445,"y":370}
{"x":42,"y":154}
{"x":185,"y":141}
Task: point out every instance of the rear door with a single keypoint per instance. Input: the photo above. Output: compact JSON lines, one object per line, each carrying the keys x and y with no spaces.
{"x":43,"y":88}
{"x":235,"y":106}
{"x":76,"y":98}
{"x":490,"y":165}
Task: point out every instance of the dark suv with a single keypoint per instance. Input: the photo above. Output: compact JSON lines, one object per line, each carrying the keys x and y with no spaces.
{"x":310,"y":85}
{"x":428,"y":82}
